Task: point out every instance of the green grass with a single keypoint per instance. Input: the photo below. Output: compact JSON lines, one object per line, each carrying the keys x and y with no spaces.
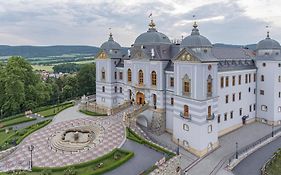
{"x":15,"y":137}
{"x":54,"y":110}
{"x":274,"y":166}
{"x":83,"y":62}
{"x":91,"y":113}
{"x":15,"y":121}
{"x":109,"y":162}
{"x":42,"y":67}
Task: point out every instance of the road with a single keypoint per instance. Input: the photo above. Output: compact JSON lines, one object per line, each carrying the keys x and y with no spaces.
{"x":253,"y":163}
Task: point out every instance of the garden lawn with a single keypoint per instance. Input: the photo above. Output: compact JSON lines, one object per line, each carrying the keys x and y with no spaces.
{"x":15,"y":137}
{"x":4,"y":136}
{"x":55,"y":110}
{"x":92,"y":113}
{"x":15,"y":121}
{"x":98,"y":166}
{"x":274,"y":166}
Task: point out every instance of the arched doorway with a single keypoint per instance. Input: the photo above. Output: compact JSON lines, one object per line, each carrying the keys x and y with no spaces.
{"x":140,"y":98}
{"x":141,"y":120}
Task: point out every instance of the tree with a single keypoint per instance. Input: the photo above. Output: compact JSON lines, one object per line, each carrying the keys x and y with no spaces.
{"x":87,"y":79}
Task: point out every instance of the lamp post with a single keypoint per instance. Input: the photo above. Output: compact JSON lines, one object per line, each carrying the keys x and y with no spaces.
{"x":1,"y":113}
{"x":178,"y":150}
{"x":31,"y":148}
{"x":236,"y":154}
{"x":272,"y":132}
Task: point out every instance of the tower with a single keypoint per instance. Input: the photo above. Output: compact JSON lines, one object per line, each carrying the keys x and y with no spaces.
{"x":196,"y":100}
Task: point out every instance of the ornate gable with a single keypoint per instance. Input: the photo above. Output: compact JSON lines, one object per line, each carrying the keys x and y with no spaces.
{"x":139,"y":54}
{"x":102,"y":55}
{"x":184,"y":55}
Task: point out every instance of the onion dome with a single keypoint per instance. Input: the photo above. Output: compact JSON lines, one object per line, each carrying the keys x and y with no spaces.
{"x":110,"y":44}
{"x":195,"y":40}
{"x":268,"y":44}
{"x":152,"y":37}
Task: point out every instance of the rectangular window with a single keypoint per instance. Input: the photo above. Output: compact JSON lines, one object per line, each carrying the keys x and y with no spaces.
{"x":226,"y":99}
{"x":254,"y":107}
{"x":120,"y":90}
{"x":233,"y":80}
{"x":250,"y":108}
{"x":239,"y":96}
{"x":172,"y":101}
{"x":279,"y":94}
{"x":279,"y":108}
{"x":249,"y":78}
{"x":219,"y":118}
{"x":115,"y":75}
{"x":210,"y":129}
{"x":103,"y":75}
{"x":233,"y":97}
{"x":225,"y":116}
{"x":240,"y":111}
{"x":279,"y":79}
{"x":120,"y":75}
{"x":262,"y":92}
{"x":255,"y":77}
{"x":263,"y":107}
{"x":115,"y":89}
{"x":239,"y":79}
{"x":246,"y":78}
{"x":226,"y":81}
{"x":222,"y":82}
{"x":103,"y":89}
{"x":172,"y":81}
{"x":231,"y":114}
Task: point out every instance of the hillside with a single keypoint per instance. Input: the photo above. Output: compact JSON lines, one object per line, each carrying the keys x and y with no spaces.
{"x":45,"y":51}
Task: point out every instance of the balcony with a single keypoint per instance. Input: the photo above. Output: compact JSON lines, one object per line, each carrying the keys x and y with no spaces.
{"x":185,"y":117}
{"x":210,"y":117}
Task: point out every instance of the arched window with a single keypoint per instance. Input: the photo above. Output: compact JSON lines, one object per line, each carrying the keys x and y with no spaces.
{"x":103,"y":74}
{"x":129,"y":75}
{"x":153,"y":78}
{"x":186,"y":111}
{"x":209,"y":86}
{"x":140,"y":77}
{"x":186,"y":85}
{"x":262,"y":77}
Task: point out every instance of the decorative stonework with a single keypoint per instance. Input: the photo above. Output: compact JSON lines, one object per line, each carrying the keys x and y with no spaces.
{"x":158,"y":123}
{"x":170,"y":167}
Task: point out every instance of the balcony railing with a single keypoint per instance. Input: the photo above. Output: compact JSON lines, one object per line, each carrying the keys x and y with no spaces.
{"x":188,"y":117}
{"x":210,"y":117}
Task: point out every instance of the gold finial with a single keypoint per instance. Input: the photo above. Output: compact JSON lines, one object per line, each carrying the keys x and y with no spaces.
{"x":152,"y":24}
{"x":195,"y":24}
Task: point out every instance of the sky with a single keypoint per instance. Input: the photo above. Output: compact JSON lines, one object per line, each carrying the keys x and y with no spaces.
{"x":87,"y":22}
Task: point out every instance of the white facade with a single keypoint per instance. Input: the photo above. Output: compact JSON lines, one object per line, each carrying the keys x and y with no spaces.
{"x":200,"y":92}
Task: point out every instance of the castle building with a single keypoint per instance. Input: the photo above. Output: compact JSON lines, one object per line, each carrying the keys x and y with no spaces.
{"x":195,"y":91}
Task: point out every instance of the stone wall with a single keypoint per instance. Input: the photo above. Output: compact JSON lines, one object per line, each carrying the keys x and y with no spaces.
{"x":158,"y":123}
{"x":170,"y":167}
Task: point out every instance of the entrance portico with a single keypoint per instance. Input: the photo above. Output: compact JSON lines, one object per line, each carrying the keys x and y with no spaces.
{"x":140,"y":98}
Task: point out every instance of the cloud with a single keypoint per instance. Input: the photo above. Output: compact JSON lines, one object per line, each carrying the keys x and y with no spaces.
{"x":81,"y":22}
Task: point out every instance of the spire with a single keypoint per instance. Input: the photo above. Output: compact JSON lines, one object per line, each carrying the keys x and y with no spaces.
{"x":195,"y":30}
{"x":110,"y":35}
{"x":267,"y":35}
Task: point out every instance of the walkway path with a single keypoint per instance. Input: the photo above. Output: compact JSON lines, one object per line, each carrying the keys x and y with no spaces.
{"x":143,"y":159}
{"x":253,"y":163}
{"x":244,"y":136}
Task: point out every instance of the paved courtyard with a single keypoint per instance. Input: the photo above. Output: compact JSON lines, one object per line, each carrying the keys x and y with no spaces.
{"x":45,"y":156}
{"x":219,"y":158}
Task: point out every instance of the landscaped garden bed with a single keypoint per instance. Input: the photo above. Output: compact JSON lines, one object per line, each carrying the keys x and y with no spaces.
{"x":14,"y":121}
{"x":273,"y":166}
{"x":13,"y":138}
{"x":103,"y":164}
{"x":50,"y":111}
{"x":91,"y":113}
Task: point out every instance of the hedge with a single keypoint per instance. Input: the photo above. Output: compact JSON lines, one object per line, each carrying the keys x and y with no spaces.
{"x":91,"y":113}
{"x":133,"y":136}
{"x":18,"y":122}
{"x":12,"y":117}
{"x":44,"y":108}
{"x":89,"y":163}
{"x":42,"y":123}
